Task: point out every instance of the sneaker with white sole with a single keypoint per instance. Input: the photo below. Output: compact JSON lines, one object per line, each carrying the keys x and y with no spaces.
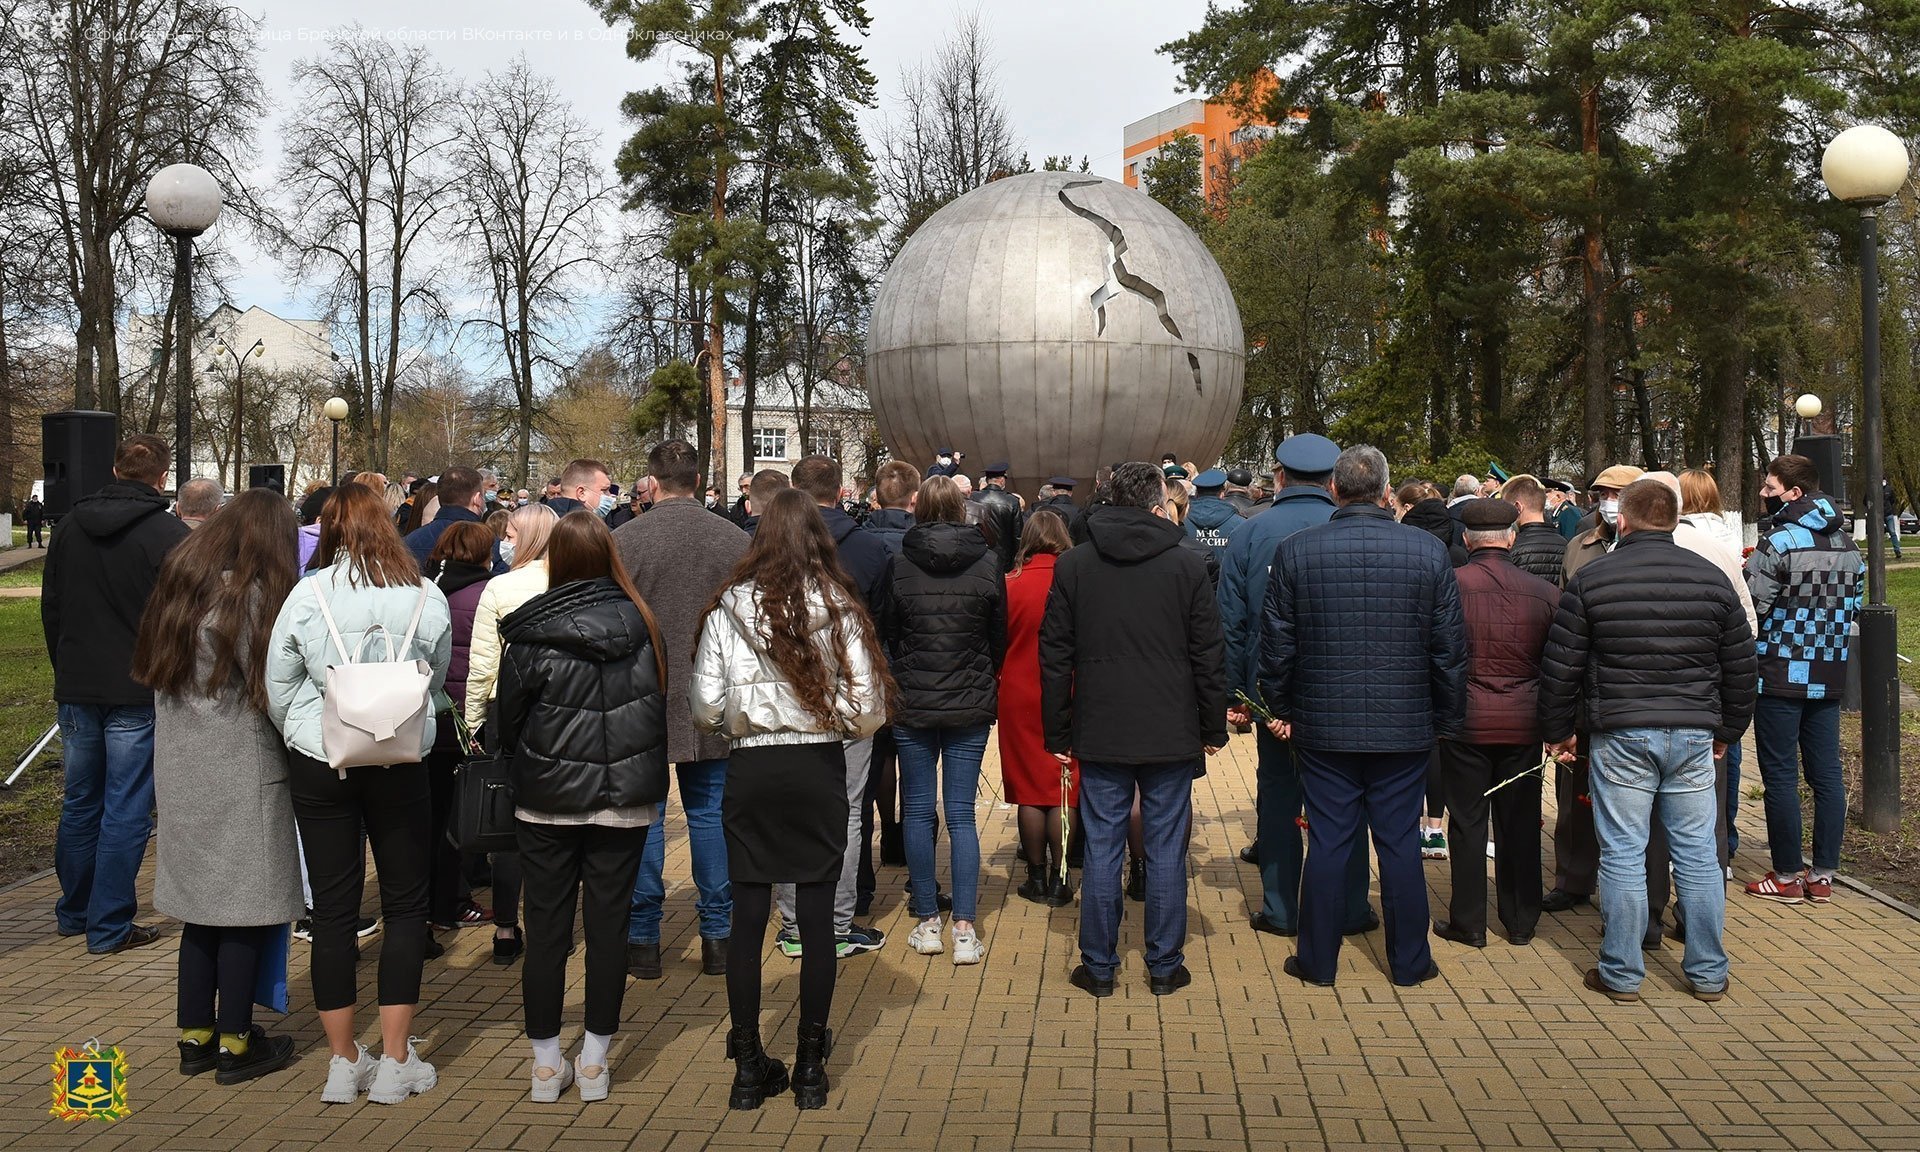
{"x":1433,"y":845}
{"x":925,"y":937}
{"x":549,"y":1083}
{"x":594,"y":1082}
{"x":347,"y":1080}
{"x":968,"y":948}
{"x":397,"y":1080}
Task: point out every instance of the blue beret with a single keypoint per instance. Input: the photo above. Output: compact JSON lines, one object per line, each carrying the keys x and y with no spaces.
{"x":1308,"y":453}
{"x":1061,"y":481}
{"x":1211,"y":478}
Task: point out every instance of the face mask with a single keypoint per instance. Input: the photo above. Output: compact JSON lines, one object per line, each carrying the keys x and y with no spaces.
{"x":506,"y":553}
{"x":606,"y":503}
{"x":1610,"y":512}
{"x":945,"y":460}
{"x":1774,"y":504}
{"x":493,"y":497}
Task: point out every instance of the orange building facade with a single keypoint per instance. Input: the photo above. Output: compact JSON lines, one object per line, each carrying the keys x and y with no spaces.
{"x":1227,"y":136}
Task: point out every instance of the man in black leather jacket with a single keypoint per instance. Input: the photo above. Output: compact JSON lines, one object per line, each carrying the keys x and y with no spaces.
{"x":1000,"y":516}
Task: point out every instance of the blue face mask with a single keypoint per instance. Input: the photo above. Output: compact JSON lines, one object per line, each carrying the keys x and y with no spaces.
{"x":492,"y":496}
{"x":606,"y":503}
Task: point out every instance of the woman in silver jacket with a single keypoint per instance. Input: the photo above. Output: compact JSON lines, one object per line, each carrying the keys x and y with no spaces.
{"x":788,"y":666}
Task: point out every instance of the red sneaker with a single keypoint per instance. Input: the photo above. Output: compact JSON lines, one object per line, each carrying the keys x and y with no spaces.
{"x":1787,"y":891}
{"x":1818,"y":891}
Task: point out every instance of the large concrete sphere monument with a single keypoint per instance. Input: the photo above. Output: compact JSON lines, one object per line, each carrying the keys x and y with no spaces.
{"x":1057,"y":321}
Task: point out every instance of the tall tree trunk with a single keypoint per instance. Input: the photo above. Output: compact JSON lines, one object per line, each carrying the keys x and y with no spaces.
{"x":1730,"y":414}
{"x":716,"y":326}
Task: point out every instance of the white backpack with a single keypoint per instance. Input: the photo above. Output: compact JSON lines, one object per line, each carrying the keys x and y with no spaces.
{"x":375,"y":713}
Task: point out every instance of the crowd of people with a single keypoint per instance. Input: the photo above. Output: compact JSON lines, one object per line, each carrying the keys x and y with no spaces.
{"x":817,"y":673}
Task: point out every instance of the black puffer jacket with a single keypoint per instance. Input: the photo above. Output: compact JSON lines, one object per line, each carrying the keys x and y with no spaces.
{"x":947,"y":628}
{"x":1539,"y":550}
{"x":583,"y":710}
{"x":1363,"y":645}
{"x":1133,"y":669}
{"x":890,"y":524}
{"x":1648,"y":636}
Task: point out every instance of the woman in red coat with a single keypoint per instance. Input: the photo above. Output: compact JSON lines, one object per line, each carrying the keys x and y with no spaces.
{"x":1031,"y":775}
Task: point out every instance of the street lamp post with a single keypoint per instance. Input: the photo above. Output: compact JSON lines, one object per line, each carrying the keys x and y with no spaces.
{"x":336,"y":411}
{"x":1866,"y":166}
{"x":183,"y":200}
{"x":256,"y":350}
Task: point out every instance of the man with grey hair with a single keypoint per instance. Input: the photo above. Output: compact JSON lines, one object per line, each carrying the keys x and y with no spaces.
{"x":197,"y":500}
{"x":1363,"y":668}
{"x":1466,"y":486}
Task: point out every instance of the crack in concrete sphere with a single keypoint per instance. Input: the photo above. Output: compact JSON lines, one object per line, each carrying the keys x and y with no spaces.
{"x":1058,"y":322}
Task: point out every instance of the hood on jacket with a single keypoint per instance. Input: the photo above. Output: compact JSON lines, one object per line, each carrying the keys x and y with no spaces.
{"x":1130,"y":535}
{"x":455,"y":575}
{"x":1814,"y":512}
{"x":116,"y":507}
{"x":839,"y":523}
{"x":1432,"y":515}
{"x":743,"y":604}
{"x":1210,"y":512}
{"x":890,"y":518}
{"x":941,"y":547}
{"x":592,"y":619}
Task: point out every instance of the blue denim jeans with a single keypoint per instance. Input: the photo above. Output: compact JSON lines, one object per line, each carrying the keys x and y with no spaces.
{"x":701,"y":785}
{"x":1783,"y":726}
{"x":1636,"y":773}
{"x":1280,"y":845}
{"x":105,"y":819}
{"x":1735,"y":753}
{"x":921,"y":752}
{"x":1106,"y":810}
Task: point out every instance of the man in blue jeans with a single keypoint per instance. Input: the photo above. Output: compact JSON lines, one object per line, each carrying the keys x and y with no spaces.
{"x":1652,"y":643}
{"x":679,"y":555}
{"x":1805,"y":575}
{"x":100,"y":571}
{"x":1133,"y":680}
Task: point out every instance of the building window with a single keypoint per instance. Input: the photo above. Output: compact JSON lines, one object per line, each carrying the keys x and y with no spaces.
{"x":769,"y":443}
{"x":1133,"y":171}
{"x":823,"y":444}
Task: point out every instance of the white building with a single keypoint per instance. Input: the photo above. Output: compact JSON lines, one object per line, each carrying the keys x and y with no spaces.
{"x":287,"y":373}
{"x":841,"y":424}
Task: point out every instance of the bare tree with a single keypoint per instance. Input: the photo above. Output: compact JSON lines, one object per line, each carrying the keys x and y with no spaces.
{"x":367,"y":176}
{"x":532,"y":201}
{"x":953,"y":133}
{"x":100,"y":94}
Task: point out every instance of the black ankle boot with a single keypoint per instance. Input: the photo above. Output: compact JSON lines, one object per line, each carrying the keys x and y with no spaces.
{"x":810,"y":1066}
{"x":1136,"y":880}
{"x":1035,"y":888}
{"x":756,"y":1075}
{"x":1059,"y":891}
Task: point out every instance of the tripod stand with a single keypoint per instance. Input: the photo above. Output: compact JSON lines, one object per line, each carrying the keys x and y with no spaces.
{"x":31,"y":754}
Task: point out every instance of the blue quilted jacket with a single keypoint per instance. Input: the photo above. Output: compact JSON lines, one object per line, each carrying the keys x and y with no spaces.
{"x":1243,"y":574}
{"x":1364,"y":647}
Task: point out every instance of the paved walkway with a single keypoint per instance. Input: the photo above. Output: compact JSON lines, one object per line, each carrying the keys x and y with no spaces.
{"x":1815,"y":1047}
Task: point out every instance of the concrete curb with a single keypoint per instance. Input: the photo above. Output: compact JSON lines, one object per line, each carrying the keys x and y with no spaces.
{"x":26,"y":880}
{"x":1900,"y":906}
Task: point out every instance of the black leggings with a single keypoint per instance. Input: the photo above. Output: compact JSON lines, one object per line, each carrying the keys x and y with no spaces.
{"x":813,"y":908}
{"x":219,"y":965}
{"x":395,"y":807}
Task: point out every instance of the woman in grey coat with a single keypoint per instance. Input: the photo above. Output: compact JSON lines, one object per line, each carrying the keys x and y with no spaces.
{"x":227,"y":861}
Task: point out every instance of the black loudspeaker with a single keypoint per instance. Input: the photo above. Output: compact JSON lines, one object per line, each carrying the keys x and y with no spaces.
{"x":1824,"y":451}
{"x":76,"y":453}
{"x":272,"y":476}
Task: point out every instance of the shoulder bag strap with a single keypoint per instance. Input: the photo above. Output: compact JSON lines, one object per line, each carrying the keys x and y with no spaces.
{"x":413,"y":624}
{"x":339,"y":643}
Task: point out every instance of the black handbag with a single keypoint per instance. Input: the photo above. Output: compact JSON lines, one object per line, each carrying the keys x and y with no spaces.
{"x":482,"y":818}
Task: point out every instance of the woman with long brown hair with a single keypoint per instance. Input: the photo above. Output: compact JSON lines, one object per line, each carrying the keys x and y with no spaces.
{"x":369,"y":585}
{"x":583,"y":717}
{"x":787,"y":667}
{"x":229,"y":872}
{"x":1028,"y":772}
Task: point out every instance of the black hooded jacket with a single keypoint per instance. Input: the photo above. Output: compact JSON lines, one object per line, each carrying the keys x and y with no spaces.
{"x":1132,"y":662}
{"x":102,"y":567}
{"x":583,"y":709}
{"x":948,"y":627}
{"x":1434,"y":516}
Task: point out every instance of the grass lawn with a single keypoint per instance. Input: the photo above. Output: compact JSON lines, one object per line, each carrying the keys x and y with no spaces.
{"x":25,"y":576}
{"x":28,"y":812}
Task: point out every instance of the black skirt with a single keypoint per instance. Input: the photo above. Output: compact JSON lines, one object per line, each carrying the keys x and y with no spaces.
{"x":784,"y":813}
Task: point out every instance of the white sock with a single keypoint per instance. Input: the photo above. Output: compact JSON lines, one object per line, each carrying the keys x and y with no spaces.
{"x":546,"y":1053}
{"x":593,"y":1050}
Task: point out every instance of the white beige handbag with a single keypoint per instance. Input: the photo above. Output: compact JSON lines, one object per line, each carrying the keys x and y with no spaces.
{"x":375,"y":712}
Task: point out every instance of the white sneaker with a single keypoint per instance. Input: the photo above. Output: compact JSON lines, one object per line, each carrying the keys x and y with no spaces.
{"x":549,"y":1083}
{"x":349,"y":1079}
{"x":967,"y":947}
{"x":396,"y":1081}
{"x":925,"y":937}
{"x":594,"y":1083}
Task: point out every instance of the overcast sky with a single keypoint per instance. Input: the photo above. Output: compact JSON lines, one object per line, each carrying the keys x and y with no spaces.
{"x":1074,"y":72}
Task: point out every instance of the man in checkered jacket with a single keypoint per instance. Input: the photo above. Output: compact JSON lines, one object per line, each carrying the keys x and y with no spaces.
{"x":1805,"y":576}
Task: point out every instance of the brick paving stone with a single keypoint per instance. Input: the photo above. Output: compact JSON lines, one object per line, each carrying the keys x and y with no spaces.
{"x":1506,"y":1051}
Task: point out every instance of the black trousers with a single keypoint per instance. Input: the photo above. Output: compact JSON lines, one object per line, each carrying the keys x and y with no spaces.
{"x":447,"y":890}
{"x":218,"y":970}
{"x":1576,"y":846}
{"x":34,"y":538}
{"x":1471,"y":769}
{"x":559,"y":865}
{"x":395,"y":806}
{"x":883,"y":795}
